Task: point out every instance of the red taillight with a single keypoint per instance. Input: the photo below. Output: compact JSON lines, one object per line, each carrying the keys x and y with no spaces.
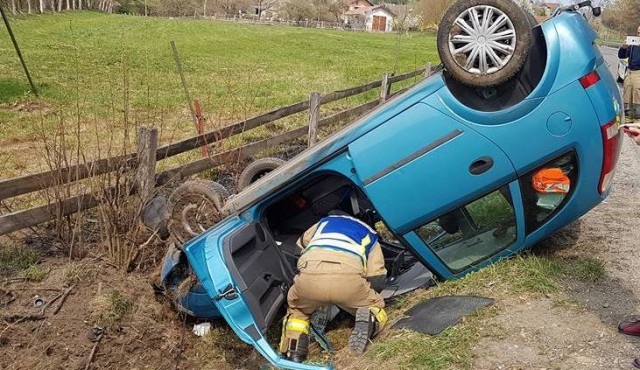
{"x":589,"y":79}
{"x":611,"y":144}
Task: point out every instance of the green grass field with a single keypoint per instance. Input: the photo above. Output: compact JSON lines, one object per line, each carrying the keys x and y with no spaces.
{"x":117,"y":69}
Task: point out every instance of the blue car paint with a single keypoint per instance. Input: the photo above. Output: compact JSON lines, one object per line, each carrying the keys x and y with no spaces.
{"x":400,"y":195}
{"x":515,"y":136}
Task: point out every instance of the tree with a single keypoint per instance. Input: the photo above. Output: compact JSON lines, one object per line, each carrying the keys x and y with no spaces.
{"x":337,"y":9}
{"x":299,"y":9}
{"x":431,"y":11}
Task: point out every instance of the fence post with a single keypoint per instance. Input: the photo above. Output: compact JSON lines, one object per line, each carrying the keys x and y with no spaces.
{"x":384,"y":88}
{"x":314,"y":114}
{"x":146,"y":172}
{"x":427,"y":69}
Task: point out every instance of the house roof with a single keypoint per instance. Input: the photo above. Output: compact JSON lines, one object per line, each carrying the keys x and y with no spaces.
{"x":361,"y":11}
{"x":349,"y":2}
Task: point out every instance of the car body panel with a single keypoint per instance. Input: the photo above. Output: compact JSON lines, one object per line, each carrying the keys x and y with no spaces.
{"x":443,"y":149}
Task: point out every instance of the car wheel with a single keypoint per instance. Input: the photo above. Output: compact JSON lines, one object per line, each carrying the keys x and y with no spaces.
{"x":257,"y":169}
{"x":484,"y":43}
{"x":194,"y":207}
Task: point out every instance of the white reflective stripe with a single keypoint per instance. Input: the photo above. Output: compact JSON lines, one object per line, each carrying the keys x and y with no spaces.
{"x":355,"y":248}
{"x":337,"y":236}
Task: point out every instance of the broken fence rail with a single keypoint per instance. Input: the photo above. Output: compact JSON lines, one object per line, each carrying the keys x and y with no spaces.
{"x":13,"y":187}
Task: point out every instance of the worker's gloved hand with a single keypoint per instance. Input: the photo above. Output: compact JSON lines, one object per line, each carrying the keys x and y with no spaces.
{"x":377,"y":282}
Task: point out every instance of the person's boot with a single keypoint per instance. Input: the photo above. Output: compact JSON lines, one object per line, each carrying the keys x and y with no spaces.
{"x":636,"y":362}
{"x":630,"y":328}
{"x":298,"y":349}
{"x":369,"y":323}
{"x":294,"y":343}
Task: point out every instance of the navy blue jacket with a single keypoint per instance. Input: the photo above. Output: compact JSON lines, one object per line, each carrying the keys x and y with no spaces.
{"x":633,"y":53}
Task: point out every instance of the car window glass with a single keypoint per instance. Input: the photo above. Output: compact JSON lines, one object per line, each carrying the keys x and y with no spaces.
{"x":474,"y":232}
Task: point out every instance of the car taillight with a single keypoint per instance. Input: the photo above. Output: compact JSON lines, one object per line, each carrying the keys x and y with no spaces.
{"x":590,"y":79}
{"x":611,"y":143}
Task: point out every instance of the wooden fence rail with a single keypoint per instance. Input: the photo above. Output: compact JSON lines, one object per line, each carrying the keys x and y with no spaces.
{"x":22,"y":185}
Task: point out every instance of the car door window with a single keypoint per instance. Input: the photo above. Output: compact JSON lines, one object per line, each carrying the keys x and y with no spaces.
{"x":473,"y":232}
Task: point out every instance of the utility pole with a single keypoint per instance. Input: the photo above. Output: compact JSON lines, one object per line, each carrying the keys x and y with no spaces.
{"x":15,"y":44}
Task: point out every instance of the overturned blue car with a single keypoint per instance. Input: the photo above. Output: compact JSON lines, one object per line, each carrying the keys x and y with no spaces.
{"x":516,"y":137}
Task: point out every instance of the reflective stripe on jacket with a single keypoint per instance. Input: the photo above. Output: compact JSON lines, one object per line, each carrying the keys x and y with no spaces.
{"x":344,"y":234}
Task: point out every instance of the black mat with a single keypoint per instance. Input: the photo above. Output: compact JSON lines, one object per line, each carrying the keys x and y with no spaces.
{"x":436,"y":314}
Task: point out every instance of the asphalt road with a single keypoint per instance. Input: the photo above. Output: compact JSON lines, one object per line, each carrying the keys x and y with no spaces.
{"x":611,"y":57}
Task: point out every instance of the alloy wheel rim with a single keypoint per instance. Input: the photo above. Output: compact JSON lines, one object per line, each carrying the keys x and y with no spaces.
{"x":482,"y":40}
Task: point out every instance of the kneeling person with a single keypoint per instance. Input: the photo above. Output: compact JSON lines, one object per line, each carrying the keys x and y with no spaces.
{"x":341,"y":264}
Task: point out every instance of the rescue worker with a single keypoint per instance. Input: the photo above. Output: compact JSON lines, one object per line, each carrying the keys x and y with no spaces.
{"x":341,"y":264}
{"x":631,"y":90}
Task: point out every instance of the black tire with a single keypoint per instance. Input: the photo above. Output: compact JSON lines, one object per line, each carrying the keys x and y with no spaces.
{"x":620,"y":79}
{"x":256,"y":170}
{"x":495,"y":71}
{"x":194,"y":207}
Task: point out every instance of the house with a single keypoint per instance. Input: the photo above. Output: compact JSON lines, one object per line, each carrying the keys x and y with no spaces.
{"x":358,"y":4}
{"x":371,"y":18}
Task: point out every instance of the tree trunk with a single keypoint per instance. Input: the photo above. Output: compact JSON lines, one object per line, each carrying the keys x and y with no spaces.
{"x":68,"y":5}
{"x":146,"y":11}
{"x":29,"y":6}
{"x":204,"y":8}
{"x":59,"y":5}
{"x":73,"y":4}
{"x":79,"y":4}
{"x":13,"y":7}
{"x":41,"y":6}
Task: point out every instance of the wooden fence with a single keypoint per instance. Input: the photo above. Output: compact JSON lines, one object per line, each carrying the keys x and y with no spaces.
{"x":144,"y":161}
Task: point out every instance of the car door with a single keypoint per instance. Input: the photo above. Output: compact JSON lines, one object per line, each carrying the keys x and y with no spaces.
{"x":242,"y":270}
{"x":442,"y":186}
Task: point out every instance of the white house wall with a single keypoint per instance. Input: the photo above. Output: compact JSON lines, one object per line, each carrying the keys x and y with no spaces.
{"x":380,"y":13}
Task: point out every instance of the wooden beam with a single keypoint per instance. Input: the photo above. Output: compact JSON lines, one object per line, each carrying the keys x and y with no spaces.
{"x":384,"y":88}
{"x":146,"y":171}
{"x":314,"y":115}
{"x":337,"y":95}
{"x":406,"y":76}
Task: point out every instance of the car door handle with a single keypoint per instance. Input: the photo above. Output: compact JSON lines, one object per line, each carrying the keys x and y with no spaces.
{"x":481,"y":165}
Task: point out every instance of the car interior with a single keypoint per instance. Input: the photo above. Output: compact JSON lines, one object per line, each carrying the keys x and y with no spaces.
{"x":263,"y":256}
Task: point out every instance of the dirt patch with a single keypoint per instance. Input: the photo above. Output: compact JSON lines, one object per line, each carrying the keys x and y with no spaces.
{"x":27,"y":106}
{"x":150,"y":334}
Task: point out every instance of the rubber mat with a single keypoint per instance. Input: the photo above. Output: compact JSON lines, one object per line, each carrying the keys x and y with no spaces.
{"x":436,"y":314}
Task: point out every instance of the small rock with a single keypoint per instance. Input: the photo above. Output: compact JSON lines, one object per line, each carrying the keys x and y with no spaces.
{"x":606,"y":305}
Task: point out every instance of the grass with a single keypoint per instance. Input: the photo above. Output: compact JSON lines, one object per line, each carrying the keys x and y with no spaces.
{"x":16,"y":259}
{"x":112,"y":309}
{"x":114,"y":70}
{"x":34,"y":273}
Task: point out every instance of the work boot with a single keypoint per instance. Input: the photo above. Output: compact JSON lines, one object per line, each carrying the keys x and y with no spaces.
{"x":369,"y":323}
{"x":630,"y":328}
{"x":298,"y":349}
